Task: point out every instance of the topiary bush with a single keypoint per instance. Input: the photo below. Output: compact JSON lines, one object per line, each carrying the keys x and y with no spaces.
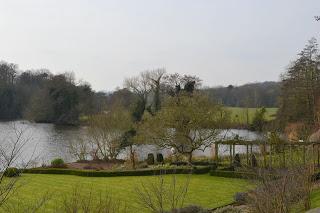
{"x":12,"y":172}
{"x":150,"y":159}
{"x":57,"y":163}
{"x":159,"y":158}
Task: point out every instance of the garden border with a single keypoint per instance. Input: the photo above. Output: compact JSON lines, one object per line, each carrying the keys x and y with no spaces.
{"x":90,"y":173}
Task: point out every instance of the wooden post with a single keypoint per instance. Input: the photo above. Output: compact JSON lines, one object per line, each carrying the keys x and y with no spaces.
{"x":216,"y":152}
{"x":251,"y":154}
{"x":230,"y":154}
{"x":291,"y":159}
{"x":233,"y":151}
{"x":304,"y":154}
{"x":313,"y":161}
{"x":318,"y":155}
{"x":270,"y":156}
{"x":264,"y":155}
{"x":284,"y":156}
{"x":247,"y":155}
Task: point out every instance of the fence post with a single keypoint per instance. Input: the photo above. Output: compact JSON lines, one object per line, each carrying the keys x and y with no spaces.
{"x":247,"y":154}
{"x":304,"y":154}
{"x":284,"y":155}
{"x":216,"y":151}
{"x":270,"y":156}
{"x":230,"y":154}
{"x":264,"y":156}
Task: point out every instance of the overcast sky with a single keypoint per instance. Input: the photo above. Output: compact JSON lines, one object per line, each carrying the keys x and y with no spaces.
{"x":103,"y":41}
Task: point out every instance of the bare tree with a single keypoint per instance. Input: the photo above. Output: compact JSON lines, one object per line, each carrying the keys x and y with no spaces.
{"x":281,"y":190}
{"x":78,"y":201}
{"x":156,"y":77}
{"x":160,"y":195}
{"x":106,"y":132}
{"x":79,"y":148}
{"x":11,"y":155}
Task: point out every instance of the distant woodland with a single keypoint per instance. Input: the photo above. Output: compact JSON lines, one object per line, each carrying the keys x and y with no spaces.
{"x":265,"y":94}
{"x":42,"y":96}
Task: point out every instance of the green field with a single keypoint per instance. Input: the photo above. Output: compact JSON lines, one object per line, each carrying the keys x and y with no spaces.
{"x":239,"y":114}
{"x":204,"y":190}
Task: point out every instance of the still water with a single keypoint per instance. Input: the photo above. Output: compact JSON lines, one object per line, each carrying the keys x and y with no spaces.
{"x":44,"y":142}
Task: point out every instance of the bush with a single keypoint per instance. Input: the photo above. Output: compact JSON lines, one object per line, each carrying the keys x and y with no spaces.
{"x":232,"y":174}
{"x":57,"y":163}
{"x":190,"y":209}
{"x":159,"y":158}
{"x":145,"y":172}
{"x":227,"y":209}
{"x":150,"y":159}
{"x":12,"y":172}
{"x":241,"y":197}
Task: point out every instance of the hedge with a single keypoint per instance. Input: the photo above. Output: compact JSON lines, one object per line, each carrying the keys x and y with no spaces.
{"x":90,"y":173}
{"x":232,"y":174}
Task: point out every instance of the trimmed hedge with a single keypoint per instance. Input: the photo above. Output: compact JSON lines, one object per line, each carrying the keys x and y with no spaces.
{"x":232,"y":174}
{"x":12,"y":172}
{"x":88,"y":173}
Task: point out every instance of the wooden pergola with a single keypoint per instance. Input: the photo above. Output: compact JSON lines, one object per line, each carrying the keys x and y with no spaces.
{"x":267,"y":153}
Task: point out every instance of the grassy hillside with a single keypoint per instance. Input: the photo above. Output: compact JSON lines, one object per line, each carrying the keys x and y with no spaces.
{"x":239,"y":114}
{"x":204,"y":190}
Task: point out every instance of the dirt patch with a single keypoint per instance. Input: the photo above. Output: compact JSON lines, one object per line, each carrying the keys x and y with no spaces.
{"x":95,"y":165}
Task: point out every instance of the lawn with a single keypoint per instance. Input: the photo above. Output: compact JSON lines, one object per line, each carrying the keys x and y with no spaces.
{"x":315,"y":198}
{"x":203,"y":190}
{"x":239,"y":114}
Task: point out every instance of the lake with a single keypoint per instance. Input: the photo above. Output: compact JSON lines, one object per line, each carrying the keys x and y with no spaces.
{"x":45,"y":142}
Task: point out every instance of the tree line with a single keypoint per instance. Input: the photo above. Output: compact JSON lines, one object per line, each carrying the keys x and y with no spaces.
{"x":300,"y":90}
{"x":264,"y":94}
{"x":41,"y":96}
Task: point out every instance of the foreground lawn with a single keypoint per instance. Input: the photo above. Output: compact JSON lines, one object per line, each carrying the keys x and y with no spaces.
{"x":204,"y":190}
{"x":315,"y":198}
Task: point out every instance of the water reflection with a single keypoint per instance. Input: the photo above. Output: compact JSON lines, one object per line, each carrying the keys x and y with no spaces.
{"x":47,"y":141}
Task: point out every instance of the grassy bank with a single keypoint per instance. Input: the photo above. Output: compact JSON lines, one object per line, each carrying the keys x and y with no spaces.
{"x":204,"y":190}
{"x":240,"y":115}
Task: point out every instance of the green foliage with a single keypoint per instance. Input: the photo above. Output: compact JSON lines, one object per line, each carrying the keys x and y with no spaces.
{"x":259,"y":120}
{"x":43,"y":97}
{"x":144,"y":172}
{"x":300,"y":91}
{"x":181,"y":118}
{"x":57,"y":163}
{"x":12,"y":172}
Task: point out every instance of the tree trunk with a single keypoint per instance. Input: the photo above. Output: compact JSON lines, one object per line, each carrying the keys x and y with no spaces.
{"x":190,"y":157}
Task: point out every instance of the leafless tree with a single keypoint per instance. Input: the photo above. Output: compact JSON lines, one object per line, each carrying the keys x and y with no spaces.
{"x":11,"y":155}
{"x":78,"y":201}
{"x":281,"y":190}
{"x":107,"y":130}
{"x":159,"y":194}
{"x":79,"y":148}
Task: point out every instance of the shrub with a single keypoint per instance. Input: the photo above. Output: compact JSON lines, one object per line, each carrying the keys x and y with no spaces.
{"x":227,"y":209}
{"x":12,"y":172}
{"x":150,"y":159}
{"x":159,"y":158}
{"x":240,"y":197}
{"x":57,"y":163}
{"x":145,"y":172}
{"x":190,"y":209}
